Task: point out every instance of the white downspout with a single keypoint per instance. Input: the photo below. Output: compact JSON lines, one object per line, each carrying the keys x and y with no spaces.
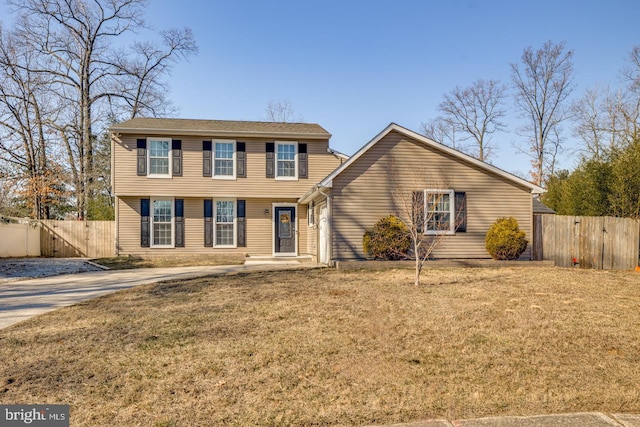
{"x":115,"y":198}
{"x":329,"y":225}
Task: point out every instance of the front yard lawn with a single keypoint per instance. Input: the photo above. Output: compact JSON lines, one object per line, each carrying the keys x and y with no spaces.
{"x":327,"y":347}
{"x":126,"y":262}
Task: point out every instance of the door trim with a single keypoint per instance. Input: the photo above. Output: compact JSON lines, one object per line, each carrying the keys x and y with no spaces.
{"x":273,"y":229}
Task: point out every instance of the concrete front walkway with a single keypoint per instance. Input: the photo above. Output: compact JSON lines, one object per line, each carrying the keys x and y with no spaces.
{"x":20,"y":300}
{"x":585,"y":419}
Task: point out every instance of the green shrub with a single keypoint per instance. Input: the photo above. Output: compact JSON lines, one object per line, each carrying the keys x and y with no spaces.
{"x":504,"y":240}
{"x":389,"y":239}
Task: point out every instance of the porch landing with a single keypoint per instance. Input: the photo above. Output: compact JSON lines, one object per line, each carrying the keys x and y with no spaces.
{"x":258,"y":259}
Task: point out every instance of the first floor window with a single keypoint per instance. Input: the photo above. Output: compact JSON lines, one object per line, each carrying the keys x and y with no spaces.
{"x":162,"y":222}
{"x":285,"y":160}
{"x":439,"y":211}
{"x":159,"y":157}
{"x":225,"y":223}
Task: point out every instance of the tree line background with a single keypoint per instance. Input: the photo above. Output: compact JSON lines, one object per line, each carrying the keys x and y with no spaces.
{"x":605,"y":121}
{"x":67,"y":74}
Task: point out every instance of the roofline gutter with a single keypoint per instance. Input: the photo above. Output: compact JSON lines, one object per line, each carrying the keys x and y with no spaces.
{"x":316,"y":189}
{"x":220,"y":133}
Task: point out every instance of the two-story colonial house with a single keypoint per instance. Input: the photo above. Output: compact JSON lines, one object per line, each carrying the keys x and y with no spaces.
{"x":210,"y":186}
{"x":276,"y":189}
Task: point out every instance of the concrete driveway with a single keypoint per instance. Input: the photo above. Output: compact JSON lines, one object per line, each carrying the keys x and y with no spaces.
{"x":20,"y":300}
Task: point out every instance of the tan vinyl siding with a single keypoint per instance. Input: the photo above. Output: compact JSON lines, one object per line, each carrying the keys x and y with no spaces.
{"x":363,"y":194}
{"x":302,"y":230}
{"x":259,"y":228}
{"x":193,"y":184}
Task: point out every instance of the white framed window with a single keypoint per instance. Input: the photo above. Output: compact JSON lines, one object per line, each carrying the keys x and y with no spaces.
{"x":439,"y":211}
{"x":159,"y":157}
{"x":225,"y":223}
{"x":224,"y":159}
{"x":286,"y":160}
{"x":162,"y":223}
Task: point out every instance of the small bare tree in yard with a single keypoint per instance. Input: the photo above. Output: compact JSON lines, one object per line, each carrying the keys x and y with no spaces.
{"x":430,"y":211}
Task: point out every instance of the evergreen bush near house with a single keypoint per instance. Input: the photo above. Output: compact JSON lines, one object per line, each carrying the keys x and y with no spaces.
{"x":505,"y":240}
{"x":389,"y":239}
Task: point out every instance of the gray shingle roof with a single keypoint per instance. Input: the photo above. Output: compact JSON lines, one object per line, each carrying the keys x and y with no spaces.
{"x":234,"y":128}
{"x":541,"y":208}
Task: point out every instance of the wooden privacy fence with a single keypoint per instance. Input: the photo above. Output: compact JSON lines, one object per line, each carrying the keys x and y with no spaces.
{"x":92,"y":239}
{"x":599,"y":242}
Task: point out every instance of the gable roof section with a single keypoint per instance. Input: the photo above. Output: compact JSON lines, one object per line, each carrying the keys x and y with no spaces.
{"x":221,"y":128}
{"x":328,"y":181}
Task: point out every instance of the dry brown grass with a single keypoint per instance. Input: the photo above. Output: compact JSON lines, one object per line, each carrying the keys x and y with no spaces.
{"x":325,"y":347}
{"x":127,"y":262}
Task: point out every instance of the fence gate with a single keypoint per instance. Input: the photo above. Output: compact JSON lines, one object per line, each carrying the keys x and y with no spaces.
{"x":603,"y":243}
{"x":64,"y":239}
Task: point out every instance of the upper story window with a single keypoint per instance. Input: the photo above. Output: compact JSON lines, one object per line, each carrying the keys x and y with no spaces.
{"x":159,"y":157}
{"x":286,"y":160}
{"x":224,"y":159}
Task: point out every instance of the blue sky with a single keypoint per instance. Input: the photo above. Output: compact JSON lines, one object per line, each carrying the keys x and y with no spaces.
{"x":355,"y":66}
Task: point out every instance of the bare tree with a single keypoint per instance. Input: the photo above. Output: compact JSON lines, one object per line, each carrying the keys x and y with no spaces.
{"x":421,"y":211}
{"x":139,"y":89}
{"x":24,"y":115}
{"x":281,"y":111}
{"x":475,"y":113}
{"x":88,"y":78}
{"x":631,"y":73}
{"x":605,"y":121}
{"x":542,"y":86}
{"x":443,"y":131}
{"x":590,"y":125}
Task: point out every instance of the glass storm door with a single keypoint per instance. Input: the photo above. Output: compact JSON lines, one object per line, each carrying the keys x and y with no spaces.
{"x":285,"y":232}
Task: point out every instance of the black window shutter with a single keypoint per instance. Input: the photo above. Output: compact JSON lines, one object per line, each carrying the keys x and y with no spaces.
{"x":417,"y":210}
{"x":241,"y":160}
{"x":242,"y":223}
{"x":461,"y":212}
{"x":208,"y":223}
{"x":141,"y":145}
{"x":176,"y":147}
{"x":270,"y":151}
{"x":144,"y":223}
{"x":206,"y":158}
{"x":303,"y":163}
{"x":179,"y":223}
